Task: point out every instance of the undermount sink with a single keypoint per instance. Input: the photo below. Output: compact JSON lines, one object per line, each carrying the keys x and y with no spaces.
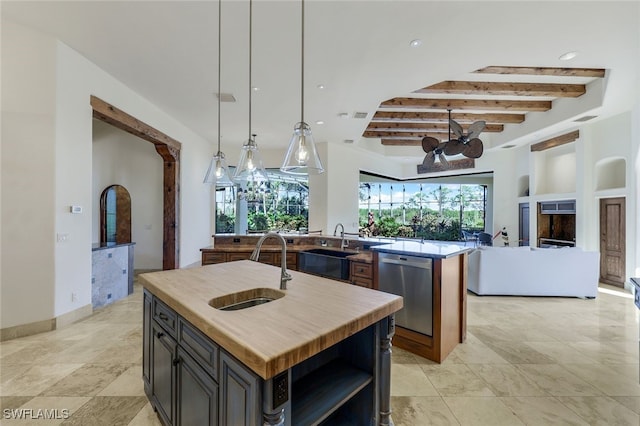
{"x":324,"y":262}
{"x":245,"y":299}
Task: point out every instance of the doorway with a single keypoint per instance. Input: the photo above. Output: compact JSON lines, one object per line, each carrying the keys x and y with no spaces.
{"x":612,"y":241}
{"x":523,"y":224}
{"x":169,"y":149}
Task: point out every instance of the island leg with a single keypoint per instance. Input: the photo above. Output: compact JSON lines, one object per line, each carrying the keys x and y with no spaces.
{"x":387,"y":330}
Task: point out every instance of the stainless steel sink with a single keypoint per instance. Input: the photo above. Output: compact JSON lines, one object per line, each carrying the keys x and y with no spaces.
{"x":325,"y":262}
{"x":245,"y":299}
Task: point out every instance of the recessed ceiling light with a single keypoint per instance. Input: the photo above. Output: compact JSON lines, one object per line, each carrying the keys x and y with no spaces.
{"x":343,"y":115}
{"x":348,"y":141}
{"x":255,"y":89}
{"x":415,"y":43}
{"x":319,"y":122}
{"x":320,"y":86}
{"x":507,"y":146}
{"x":568,"y":56}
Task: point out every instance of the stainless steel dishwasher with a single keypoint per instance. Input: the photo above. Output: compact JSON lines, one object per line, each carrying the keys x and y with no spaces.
{"x":410,"y":277}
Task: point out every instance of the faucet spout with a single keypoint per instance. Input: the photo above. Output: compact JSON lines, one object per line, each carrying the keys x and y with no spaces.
{"x":335,"y":230}
{"x":284,"y":275}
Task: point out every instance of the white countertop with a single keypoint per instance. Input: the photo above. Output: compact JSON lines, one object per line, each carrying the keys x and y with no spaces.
{"x":432,"y":249}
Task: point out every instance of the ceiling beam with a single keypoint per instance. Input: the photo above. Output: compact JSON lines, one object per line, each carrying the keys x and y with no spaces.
{"x":427,"y":127}
{"x":443,"y":117}
{"x":506,"y":89}
{"x":557,"y":141}
{"x":559,"y":72}
{"x":403,"y":135}
{"x":477,"y":104}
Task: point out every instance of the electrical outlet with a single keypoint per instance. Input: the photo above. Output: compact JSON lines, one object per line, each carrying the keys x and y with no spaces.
{"x":74,"y":297}
{"x":62,"y":238}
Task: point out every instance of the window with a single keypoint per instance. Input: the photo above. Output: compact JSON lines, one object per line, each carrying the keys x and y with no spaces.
{"x":435,"y":211}
{"x":280,"y":204}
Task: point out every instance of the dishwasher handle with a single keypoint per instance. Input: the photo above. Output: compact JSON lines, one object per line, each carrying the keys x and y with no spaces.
{"x":423,"y":264}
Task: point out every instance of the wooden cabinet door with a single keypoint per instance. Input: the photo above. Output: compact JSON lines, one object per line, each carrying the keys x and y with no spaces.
{"x":240,"y":394}
{"x":196,"y":393}
{"x":162,"y":378}
{"x":612,"y":241}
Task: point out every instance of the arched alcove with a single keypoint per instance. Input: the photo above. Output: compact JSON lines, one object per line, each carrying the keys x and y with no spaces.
{"x":611,"y":173}
{"x":115,"y":215}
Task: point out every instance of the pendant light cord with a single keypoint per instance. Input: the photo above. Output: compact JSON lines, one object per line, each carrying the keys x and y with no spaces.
{"x":219,"y":64}
{"x":302,"y":65}
{"x":250,"y":57}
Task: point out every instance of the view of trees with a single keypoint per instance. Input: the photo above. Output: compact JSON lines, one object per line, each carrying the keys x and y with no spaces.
{"x":275,"y":205}
{"x":409,"y":210}
{"x":429,"y":211}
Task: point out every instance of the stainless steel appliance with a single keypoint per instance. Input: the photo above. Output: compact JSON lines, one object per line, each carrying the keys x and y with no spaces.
{"x":412,"y":278}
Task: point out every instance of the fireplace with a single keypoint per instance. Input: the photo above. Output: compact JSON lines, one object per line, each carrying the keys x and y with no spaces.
{"x":557,"y":223}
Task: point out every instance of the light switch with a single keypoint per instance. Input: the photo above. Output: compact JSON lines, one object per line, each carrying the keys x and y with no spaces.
{"x":76,"y":209}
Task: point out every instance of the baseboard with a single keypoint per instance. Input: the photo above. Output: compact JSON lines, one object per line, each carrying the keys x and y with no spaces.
{"x":43,"y":326}
{"x":73,"y":316}
{"x":24,"y":330}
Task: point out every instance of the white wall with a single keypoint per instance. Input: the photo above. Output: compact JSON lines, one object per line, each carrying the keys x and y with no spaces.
{"x":120,"y":158}
{"x":28,"y":176}
{"x":47,"y":119}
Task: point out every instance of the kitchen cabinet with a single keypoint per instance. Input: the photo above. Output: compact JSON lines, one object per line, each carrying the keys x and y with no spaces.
{"x":239,"y":394}
{"x":146,"y":343}
{"x":163,"y":348}
{"x":196,"y":393}
{"x":362,"y":274}
{"x":267,"y":257}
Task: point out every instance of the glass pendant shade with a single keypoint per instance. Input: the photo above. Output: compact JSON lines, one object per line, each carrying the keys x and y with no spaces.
{"x":250,"y":168}
{"x":218,"y":173}
{"x":302,"y":157}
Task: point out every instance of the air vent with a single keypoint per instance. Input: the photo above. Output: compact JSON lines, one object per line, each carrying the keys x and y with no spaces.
{"x":348,"y":141}
{"x":226,"y":97}
{"x":508,"y":146}
{"x":585,"y":118}
{"x":360,"y":115}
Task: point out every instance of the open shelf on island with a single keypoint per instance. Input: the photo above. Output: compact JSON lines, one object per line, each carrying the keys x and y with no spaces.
{"x":321,"y":392}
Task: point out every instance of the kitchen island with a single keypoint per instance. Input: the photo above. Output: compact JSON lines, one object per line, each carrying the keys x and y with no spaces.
{"x":432,"y":278}
{"x":319,"y":353}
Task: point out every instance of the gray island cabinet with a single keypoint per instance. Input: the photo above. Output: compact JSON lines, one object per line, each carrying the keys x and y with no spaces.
{"x":319,"y":353}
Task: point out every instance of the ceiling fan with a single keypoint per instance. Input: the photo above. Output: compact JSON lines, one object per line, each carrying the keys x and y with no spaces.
{"x":468,"y":145}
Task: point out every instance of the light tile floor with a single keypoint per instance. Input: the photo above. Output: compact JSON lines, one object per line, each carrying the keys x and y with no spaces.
{"x":532,"y":361}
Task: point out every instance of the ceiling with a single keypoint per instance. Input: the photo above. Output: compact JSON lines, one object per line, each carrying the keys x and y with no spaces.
{"x":360,"y":53}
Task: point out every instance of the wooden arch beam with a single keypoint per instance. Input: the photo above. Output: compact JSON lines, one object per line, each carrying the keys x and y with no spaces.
{"x":169,"y":149}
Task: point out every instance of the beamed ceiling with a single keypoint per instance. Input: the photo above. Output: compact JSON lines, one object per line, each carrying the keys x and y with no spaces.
{"x":404,"y":121}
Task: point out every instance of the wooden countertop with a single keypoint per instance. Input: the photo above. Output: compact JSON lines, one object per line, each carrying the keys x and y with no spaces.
{"x":314,"y":314}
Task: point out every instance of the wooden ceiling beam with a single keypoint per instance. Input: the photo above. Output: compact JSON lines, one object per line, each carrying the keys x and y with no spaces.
{"x":558,"y":72}
{"x":428,"y":127}
{"x":443,"y":117}
{"x":463,"y":163}
{"x":506,"y":89}
{"x":557,"y":141}
{"x":403,"y":135}
{"x":476,"y":104}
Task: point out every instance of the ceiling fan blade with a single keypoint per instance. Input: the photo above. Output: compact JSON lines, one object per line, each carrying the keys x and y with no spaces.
{"x":473,"y":149}
{"x":443,"y":161}
{"x":456,"y":128}
{"x":429,"y":143}
{"x":429,"y":159}
{"x":475,"y":129}
{"x":453,"y":147}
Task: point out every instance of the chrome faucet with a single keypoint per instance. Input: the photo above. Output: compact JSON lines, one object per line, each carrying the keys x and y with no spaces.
{"x":284,"y":275}
{"x":335,"y":230}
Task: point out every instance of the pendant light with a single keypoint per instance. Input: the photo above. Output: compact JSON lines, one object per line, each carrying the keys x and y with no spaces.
{"x":250,"y":168}
{"x":302,"y":157}
{"x":218,"y":173}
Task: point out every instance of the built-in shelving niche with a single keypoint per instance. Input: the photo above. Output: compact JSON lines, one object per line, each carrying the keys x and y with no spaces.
{"x":555,"y":170}
{"x":336,"y":386}
{"x":611,"y":174}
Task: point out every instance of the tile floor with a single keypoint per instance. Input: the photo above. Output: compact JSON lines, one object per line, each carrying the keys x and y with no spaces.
{"x":532,"y":361}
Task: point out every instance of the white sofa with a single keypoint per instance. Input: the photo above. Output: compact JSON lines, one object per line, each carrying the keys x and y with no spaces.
{"x":524,"y":271}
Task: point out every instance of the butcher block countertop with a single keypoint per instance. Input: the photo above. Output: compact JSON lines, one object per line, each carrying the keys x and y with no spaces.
{"x":314,"y":314}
